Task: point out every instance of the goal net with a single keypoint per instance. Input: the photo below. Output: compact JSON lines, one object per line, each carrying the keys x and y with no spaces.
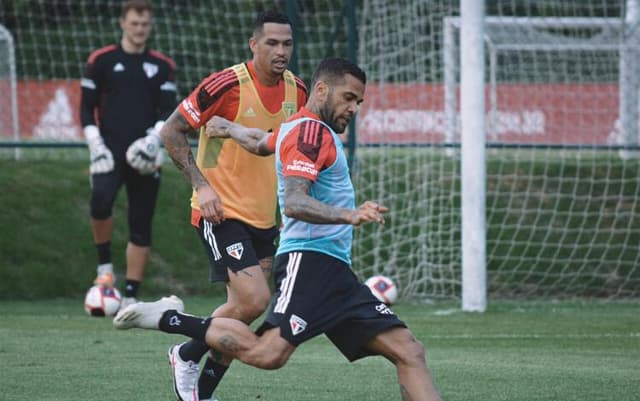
{"x":562,"y":204}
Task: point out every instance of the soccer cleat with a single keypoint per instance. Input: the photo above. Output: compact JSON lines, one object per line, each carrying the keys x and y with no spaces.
{"x":106,"y":280}
{"x":185,"y":375}
{"x":126,"y":301}
{"x":146,"y":315}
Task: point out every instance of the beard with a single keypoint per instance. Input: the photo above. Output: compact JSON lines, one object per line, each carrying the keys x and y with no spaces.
{"x":327,"y":114}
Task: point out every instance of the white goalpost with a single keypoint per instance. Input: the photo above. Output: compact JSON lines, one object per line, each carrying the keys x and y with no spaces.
{"x":9,"y":127}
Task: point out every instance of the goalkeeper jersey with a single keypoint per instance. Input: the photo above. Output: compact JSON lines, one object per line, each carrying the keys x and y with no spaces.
{"x":245,"y":182}
{"x":124,"y":94}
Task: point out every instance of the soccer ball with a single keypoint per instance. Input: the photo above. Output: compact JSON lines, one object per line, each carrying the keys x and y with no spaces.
{"x":102,"y":301}
{"x":383,"y":288}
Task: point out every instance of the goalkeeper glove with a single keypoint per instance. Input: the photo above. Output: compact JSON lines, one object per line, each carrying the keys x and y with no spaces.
{"x":144,"y":153}
{"x":100,"y":155}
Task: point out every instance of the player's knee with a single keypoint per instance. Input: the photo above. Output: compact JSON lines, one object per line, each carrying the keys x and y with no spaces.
{"x":101,"y":204}
{"x":257,"y":305}
{"x":140,"y":238}
{"x":411,"y":352}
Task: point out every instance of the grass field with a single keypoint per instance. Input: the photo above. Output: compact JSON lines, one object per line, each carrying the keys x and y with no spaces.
{"x":51,"y":351}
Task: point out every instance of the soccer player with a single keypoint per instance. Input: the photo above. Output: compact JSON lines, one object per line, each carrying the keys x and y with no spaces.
{"x":127,"y":92}
{"x":317,"y":292}
{"x":234,"y":197}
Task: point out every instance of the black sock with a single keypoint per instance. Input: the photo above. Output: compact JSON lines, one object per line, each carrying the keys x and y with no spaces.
{"x":104,"y":253}
{"x":211,"y":375}
{"x":131,"y":288}
{"x":193,"y":350}
{"x":175,"y":322}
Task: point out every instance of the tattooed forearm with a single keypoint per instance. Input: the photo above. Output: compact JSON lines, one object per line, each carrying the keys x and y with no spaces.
{"x":299,"y":205}
{"x":174,"y":137}
{"x":249,"y":138}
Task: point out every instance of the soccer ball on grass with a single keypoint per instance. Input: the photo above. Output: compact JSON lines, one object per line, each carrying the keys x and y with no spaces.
{"x":102,"y":301}
{"x":383,"y":288}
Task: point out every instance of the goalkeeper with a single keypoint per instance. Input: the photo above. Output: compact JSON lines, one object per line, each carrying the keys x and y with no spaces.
{"x":127,"y":92}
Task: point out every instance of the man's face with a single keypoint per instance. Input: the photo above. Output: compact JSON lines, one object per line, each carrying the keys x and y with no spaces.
{"x":342,"y":103}
{"x":136,"y":27}
{"x":272,"y":48}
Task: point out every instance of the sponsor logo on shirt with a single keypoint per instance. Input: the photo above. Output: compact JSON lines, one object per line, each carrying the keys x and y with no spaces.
{"x":118,"y":67}
{"x":298,"y":324}
{"x":150,"y":69}
{"x":303,"y":167}
{"x":192,"y":111}
{"x":235,"y":250}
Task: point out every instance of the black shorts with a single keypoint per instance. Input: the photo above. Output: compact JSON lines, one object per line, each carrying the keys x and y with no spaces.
{"x":142,"y":194}
{"x":317,"y":293}
{"x":234,"y":245}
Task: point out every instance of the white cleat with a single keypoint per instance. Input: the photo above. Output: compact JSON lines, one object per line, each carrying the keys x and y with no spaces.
{"x":146,"y":315}
{"x":185,"y":375}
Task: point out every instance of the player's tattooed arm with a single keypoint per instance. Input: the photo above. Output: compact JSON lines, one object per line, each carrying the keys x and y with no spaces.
{"x":254,"y":140}
{"x":299,"y":205}
{"x":174,"y":136}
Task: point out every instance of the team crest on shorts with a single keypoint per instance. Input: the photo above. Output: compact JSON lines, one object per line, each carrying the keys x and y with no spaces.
{"x":297,"y":324}
{"x":235,"y":250}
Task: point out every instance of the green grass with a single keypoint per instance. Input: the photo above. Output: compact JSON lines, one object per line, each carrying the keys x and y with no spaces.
{"x":52,"y":351}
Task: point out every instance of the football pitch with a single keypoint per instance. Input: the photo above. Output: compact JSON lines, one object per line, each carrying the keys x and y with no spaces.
{"x":527,"y":350}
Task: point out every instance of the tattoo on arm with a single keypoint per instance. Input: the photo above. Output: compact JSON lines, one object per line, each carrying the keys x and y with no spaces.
{"x":251,"y":139}
{"x":175,"y":141}
{"x":300,"y":205}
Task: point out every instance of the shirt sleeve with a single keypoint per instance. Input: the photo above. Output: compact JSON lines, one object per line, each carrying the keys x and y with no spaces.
{"x":307,"y":149}
{"x":90,"y":83}
{"x":213,"y":96}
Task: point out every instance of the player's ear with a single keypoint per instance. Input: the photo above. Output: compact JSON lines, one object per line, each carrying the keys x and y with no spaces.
{"x":253,"y":42}
{"x":322,"y":90}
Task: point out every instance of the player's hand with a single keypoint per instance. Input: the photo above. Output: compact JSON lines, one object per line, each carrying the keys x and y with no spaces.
{"x":210,"y":204}
{"x":144,"y":154}
{"x":369,"y":212}
{"x":100,"y":156}
{"x":218,"y":127}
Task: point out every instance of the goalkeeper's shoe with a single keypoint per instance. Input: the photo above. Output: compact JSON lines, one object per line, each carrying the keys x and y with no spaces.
{"x":185,"y":375}
{"x":146,"y":315}
{"x":106,"y":280}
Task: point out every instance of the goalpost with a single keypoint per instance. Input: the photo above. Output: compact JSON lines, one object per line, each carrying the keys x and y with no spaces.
{"x":9,"y":128}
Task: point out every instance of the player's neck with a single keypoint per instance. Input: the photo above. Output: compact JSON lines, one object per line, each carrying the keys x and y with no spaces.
{"x":131,"y":48}
{"x":265,"y":77}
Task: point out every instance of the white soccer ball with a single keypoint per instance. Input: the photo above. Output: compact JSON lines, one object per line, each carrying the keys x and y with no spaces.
{"x":383,"y":288}
{"x":102,"y":301}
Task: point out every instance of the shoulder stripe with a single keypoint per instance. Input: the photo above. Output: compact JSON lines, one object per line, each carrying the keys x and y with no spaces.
{"x":214,"y":87}
{"x":161,"y":56}
{"x":310,"y":138}
{"x":301,"y":85}
{"x":220,"y":82}
{"x":97,"y":53}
